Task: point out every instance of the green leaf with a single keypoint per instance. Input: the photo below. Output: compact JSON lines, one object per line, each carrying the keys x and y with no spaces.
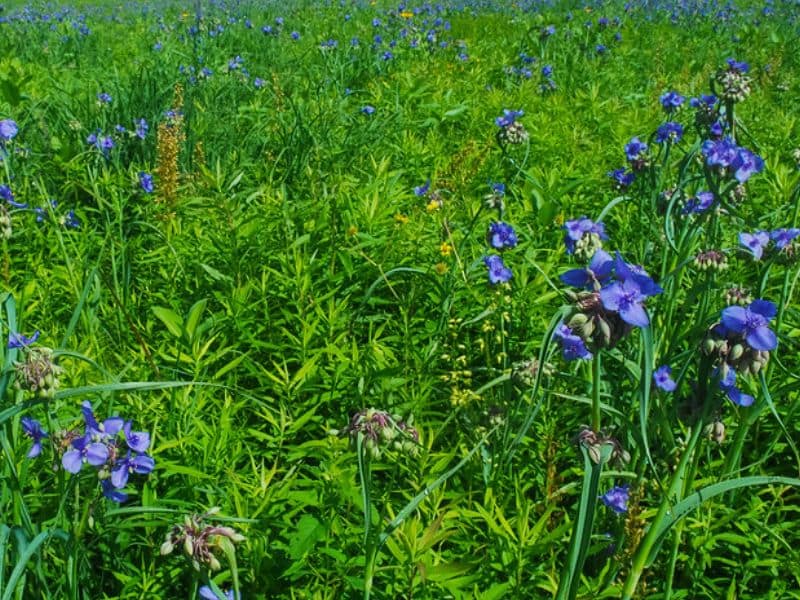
{"x":309,"y":532}
{"x":171,"y":319}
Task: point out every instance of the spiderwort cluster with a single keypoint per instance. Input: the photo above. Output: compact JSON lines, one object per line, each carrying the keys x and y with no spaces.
{"x":511,"y":131}
{"x":740,"y":343}
{"x":785,"y":239}
{"x":201,"y":542}
{"x":733,"y":81}
{"x":584,"y":237}
{"x":37,"y":373}
{"x":99,"y":446}
{"x":382,"y":431}
{"x":609,"y":308}
{"x":727,"y":158}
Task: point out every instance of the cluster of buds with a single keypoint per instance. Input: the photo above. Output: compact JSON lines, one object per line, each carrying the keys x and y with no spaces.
{"x":524,"y":372}
{"x":737,"y":296}
{"x":594,"y":441}
{"x":705,"y":111}
{"x":37,"y":373}
{"x":637,"y":154}
{"x":200,"y":541}
{"x":597,"y":326}
{"x":380,"y":431}
{"x":511,"y":132}
{"x":495,"y":200}
{"x":5,"y":223}
{"x":735,"y":354}
{"x":715,"y":431}
{"x":738,"y":194}
{"x":584,"y":237}
{"x":733,"y":81}
{"x":711,"y":260}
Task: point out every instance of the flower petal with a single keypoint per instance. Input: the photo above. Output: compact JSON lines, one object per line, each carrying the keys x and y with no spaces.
{"x":762,"y":338}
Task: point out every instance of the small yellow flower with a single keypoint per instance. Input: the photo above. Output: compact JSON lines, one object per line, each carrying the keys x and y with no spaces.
{"x":441,"y":268}
{"x":401,"y":218}
{"x":445,"y":248}
{"x":352,"y":230}
{"x":559,"y":220}
{"x":407,"y":14}
{"x":434,"y":205}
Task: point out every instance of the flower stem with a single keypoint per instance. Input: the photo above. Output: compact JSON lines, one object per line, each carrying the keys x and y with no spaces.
{"x":596,"y":393}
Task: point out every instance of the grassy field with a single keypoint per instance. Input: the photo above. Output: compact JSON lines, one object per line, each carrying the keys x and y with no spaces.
{"x":469,"y":299}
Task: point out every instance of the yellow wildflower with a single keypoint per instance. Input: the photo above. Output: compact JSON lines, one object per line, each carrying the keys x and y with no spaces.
{"x":445,"y":248}
{"x":401,"y":218}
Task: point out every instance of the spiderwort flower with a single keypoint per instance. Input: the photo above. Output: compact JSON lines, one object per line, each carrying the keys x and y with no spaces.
{"x":112,"y":493}
{"x":17,"y":340}
{"x":699,"y":203}
{"x":508,"y":117}
{"x":7,"y":195}
{"x":8,"y":130}
{"x":784,"y":237}
{"x":497,"y":270}
{"x":206,"y":593}
{"x":746,"y":164}
{"x":33,"y":429}
{"x":572,"y":346}
{"x":669,"y":132}
{"x":421,"y":190}
{"x":146,"y":182}
{"x":755,"y":243}
{"x":727,"y":383}
{"x":501,"y":236}
{"x":752,"y":323}
{"x":84,"y":451}
{"x":104,"y":98}
{"x":671,"y":100}
{"x":100,"y":431}
{"x":592,"y":277}
{"x":616,"y":499}
{"x":622,"y":177}
{"x":663,"y":380}
{"x":138,"y":441}
{"x":584,"y":236}
{"x":140,"y":464}
{"x":626,"y":298}
{"x":368,"y":110}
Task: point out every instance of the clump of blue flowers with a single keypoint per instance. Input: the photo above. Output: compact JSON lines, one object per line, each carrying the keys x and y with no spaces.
{"x":511,"y":132}
{"x":611,"y":304}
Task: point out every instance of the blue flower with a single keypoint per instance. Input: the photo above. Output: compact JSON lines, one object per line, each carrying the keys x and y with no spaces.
{"x":295,"y":35}
{"x":626,"y":298}
{"x":671,"y":100}
{"x":636,"y":152}
{"x":7,"y":195}
{"x":509,"y":117}
{"x":104,"y":98}
{"x":33,"y":429}
{"x":705,"y":100}
{"x":8,"y":130}
{"x":746,"y":164}
{"x":699,"y":204}
{"x":720,"y":153}
{"x":752,"y":323}
{"x":784,"y":237}
{"x":622,"y":177}
{"x":663,"y":380}
{"x":626,"y":271}
{"x":17,"y":340}
{"x":206,"y":593}
{"x":669,"y":132}
{"x":727,"y":383}
{"x":367,"y":110}
{"x":594,"y":276}
{"x":755,"y":243}
{"x":616,"y":499}
{"x":140,"y":464}
{"x":421,"y":190}
{"x":146,"y":182}
{"x":84,"y":450}
{"x":501,"y":236}
{"x":572,"y":346}
{"x":497,"y":270}
{"x":577,"y":228}
{"x":738,"y":67}
{"x":112,"y":493}
{"x":547,"y":71}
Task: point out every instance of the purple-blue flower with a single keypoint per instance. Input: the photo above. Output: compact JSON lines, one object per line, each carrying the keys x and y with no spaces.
{"x":755,"y":243}
{"x":594,"y":276}
{"x":84,"y":450}
{"x":720,"y":153}
{"x":663,"y":380}
{"x":669,"y":132}
{"x":746,"y":164}
{"x":626,"y":271}
{"x":671,"y":100}
{"x":421,"y":190}
{"x":17,"y":340}
{"x":104,"y":98}
{"x":112,"y":493}
{"x":705,"y":100}
{"x":107,"y":429}
{"x":635,"y":149}
{"x":138,"y":441}
{"x":752,"y":323}
{"x":497,"y":270}
{"x":206,"y":593}
{"x":577,"y":228}
{"x":622,"y":177}
{"x":727,"y":383}
{"x":8,"y":130}
{"x":616,"y":499}
{"x":7,"y":195}
{"x":626,"y":298}
{"x":140,"y":464}
{"x":572,"y":346}
{"x":367,"y":110}
{"x":146,"y":182}
{"x":33,"y":429}
{"x":509,"y":117}
{"x":737,"y":66}
{"x":501,"y":236}
{"x":783,"y":237}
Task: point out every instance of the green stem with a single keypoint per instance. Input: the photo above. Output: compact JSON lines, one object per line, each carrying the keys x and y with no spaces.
{"x":642,"y":556}
{"x":596,"y":392}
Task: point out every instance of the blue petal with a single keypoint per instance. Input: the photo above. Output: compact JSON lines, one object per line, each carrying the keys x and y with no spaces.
{"x":762,"y":338}
{"x":734,"y":318}
{"x":765,"y":308}
{"x":634,"y":314}
{"x":577,"y":278}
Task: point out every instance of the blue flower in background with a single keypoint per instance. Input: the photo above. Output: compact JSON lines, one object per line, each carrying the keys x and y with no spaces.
{"x":7,"y":195}
{"x":146,"y":182}
{"x":206,"y":593}
{"x":104,"y":98}
{"x":635,"y":149}
{"x":501,"y":236}
{"x":497,"y":270}
{"x":755,"y":243}
{"x":367,"y":110}
{"x":592,"y":277}
{"x":17,"y":340}
{"x":784,"y":237}
{"x":8,"y":130}
{"x":616,"y":499}
{"x":421,"y":190}
{"x":508,"y":117}
{"x":727,"y":383}
{"x":662,"y":377}
{"x":669,"y":132}
{"x":33,"y":429}
{"x":670,"y":101}
{"x":572,"y":346}
{"x":622,"y":177}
